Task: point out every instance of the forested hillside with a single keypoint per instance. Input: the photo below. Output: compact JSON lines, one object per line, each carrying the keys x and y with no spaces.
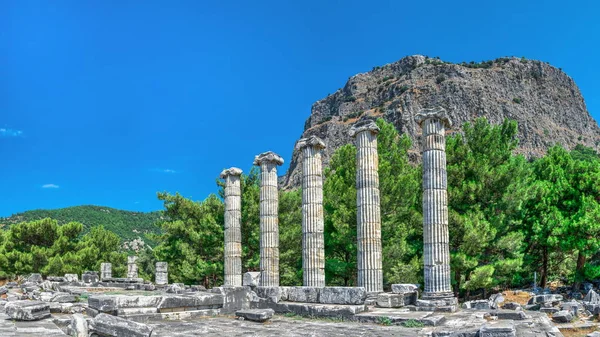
{"x":127,"y":225}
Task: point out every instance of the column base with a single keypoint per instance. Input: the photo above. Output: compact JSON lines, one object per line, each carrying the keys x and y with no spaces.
{"x":445,"y":302}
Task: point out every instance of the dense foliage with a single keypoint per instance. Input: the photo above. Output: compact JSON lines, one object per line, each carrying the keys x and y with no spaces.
{"x":127,"y":225}
{"x":508,"y":218}
{"x":45,"y":246}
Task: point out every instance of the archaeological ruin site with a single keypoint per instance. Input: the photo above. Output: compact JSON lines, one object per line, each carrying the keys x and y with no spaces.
{"x":97,"y":303}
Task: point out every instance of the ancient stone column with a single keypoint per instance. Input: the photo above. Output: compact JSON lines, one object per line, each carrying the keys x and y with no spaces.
{"x":161,"y":275}
{"x":105,"y":271}
{"x":370,"y":274}
{"x":233,"y":229}
{"x":436,"y":254}
{"x":269,"y":221}
{"x":313,"y":246}
{"x":132,"y":268}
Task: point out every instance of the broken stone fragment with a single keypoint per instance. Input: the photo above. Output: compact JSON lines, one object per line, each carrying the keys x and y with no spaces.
{"x":303,"y":294}
{"x":563,"y":316}
{"x":79,"y":326}
{"x":90,"y":277}
{"x":498,"y":329}
{"x":404,"y":288}
{"x":553,"y":298}
{"x":64,"y":298}
{"x":112,"y":326}
{"x":387,"y":300}
{"x":256,"y":315}
{"x":71,"y":277}
{"x":511,"y":306}
{"x":35,"y":278}
{"x":27,"y":310}
{"x":591,"y":297}
{"x":251,"y":279}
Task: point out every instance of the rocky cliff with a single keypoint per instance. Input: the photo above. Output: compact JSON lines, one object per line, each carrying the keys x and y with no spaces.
{"x":544,"y":100}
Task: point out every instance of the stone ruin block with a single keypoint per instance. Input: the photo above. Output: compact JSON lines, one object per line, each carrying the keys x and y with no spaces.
{"x":404,"y":288}
{"x":235,"y":298}
{"x":112,"y":326}
{"x":27,"y":310}
{"x":132,"y":268}
{"x":256,"y":315}
{"x":90,"y":277}
{"x":546,"y":298}
{"x":477,"y":305}
{"x":303,"y":294}
{"x":71,"y":278}
{"x":161,"y":274}
{"x":251,"y":279}
{"x":35,"y":278}
{"x":391,"y":300}
{"x":342,"y":295}
{"x":498,"y":329}
{"x":272,"y":294}
{"x":105,"y":270}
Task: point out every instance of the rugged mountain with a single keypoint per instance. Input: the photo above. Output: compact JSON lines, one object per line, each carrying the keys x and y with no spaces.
{"x":127,"y":225}
{"x":544,"y":100}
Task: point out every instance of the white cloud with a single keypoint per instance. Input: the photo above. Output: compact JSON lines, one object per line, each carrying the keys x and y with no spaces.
{"x":50,"y":186}
{"x":5,"y":132}
{"x":170,"y":171}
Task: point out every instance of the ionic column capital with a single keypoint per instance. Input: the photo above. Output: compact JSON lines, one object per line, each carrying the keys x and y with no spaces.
{"x":232,"y":171}
{"x":436,"y":113}
{"x":268,"y":157}
{"x":312,"y":141}
{"x":364,"y":125}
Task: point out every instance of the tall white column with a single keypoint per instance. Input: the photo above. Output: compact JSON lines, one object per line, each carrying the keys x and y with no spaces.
{"x":370,"y":274}
{"x":233,"y":229}
{"x":313,"y":246}
{"x":132,"y":268}
{"x":161,"y":275}
{"x":105,"y":270}
{"x":436,"y":252}
{"x":269,"y":218}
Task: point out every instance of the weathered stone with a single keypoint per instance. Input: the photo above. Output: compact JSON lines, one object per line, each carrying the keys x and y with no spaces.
{"x":404,"y":288}
{"x":563,"y":316}
{"x":550,"y":310}
{"x":552,"y":298}
{"x":313,"y":247}
{"x":273,"y":294}
{"x":342,"y":295}
{"x":112,"y":326}
{"x":434,"y":320}
{"x":197,"y":301}
{"x":303,"y":294}
{"x":573,"y":306}
{"x":35,"y":278}
{"x":235,"y":298}
{"x":55,"y":279}
{"x":3,"y":290}
{"x":233,"y":231}
{"x":90,"y":277}
{"x":79,"y":326}
{"x":110,"y":303}
{"x":251,"y":279}
{"x":105,"y":270}
{"x":390,"y":300}
{"x":436,"y":254}
{"x":592,"y":297}
{"x":27,"y":310}
{"x":256,"y":315}
{"x":132,"y":268}
{"x":71,"y":278}
{"x":175,"y":288}
{"x":516,"y":315}
{"x":498,"y":329}
{"x":511,"y":306}
{"x":162,"y":273}
{"x":477,"y":305}
{"x":369,"y":265}
{"x":64,"y":298}
{"x":593,"y":334}
{"x":269,"y":218}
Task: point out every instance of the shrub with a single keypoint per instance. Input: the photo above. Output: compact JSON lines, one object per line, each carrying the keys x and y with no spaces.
{"x":517,"y":100}
{"x":411,"y":323}
{"x":349,"y":99}
{"x":440,"y":79}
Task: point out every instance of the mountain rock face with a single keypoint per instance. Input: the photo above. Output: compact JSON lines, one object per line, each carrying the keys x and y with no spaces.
{"x":544,"y":100}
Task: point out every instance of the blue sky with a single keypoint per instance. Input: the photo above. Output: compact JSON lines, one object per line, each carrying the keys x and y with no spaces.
{"x":108,"y":102}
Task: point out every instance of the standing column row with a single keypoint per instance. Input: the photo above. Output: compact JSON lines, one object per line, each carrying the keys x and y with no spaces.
{"x":269,"y":218}
{"x":436,"y":253}
{"x":233,"y":230}
{"x":313,"y":245}
{"x":370,"y":273}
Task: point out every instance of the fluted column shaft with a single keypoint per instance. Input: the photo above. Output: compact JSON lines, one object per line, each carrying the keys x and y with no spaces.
{"x":233,"y":230}
{"x":436,"y":253}
{"x":132,"y":268}
{"x":370,"y":274}
{"x":313,"y":246}
{"x":105,"y":270}
{"x":161,"y":276}
{"x":269,"y":219}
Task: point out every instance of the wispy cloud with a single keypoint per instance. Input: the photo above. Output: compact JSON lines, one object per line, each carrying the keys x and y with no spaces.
{"x":5,"y":132}
{"x":161,"y":170}
{"x":50,"y":186}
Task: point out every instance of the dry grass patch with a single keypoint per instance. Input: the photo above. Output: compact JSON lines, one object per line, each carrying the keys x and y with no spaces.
{"x":522,"y":297}
{"x":577,"y":332}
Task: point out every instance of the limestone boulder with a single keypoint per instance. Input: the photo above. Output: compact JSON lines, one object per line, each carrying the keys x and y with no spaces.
{"x":27,"y":310}
{"x":591,"y":297}
{"x":512,"y":306}
{"x":90,"y":277}
{"x":112,"y":326}
{"x":37,"y":278}
{"x":342,"y":295}
{"x":304,"y":294}
{"x":477,"y":305}
{"x":545,"y":298}
{"x":71,"y":278}
{"x":79,"y":326}
{"x":64,"y":298}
